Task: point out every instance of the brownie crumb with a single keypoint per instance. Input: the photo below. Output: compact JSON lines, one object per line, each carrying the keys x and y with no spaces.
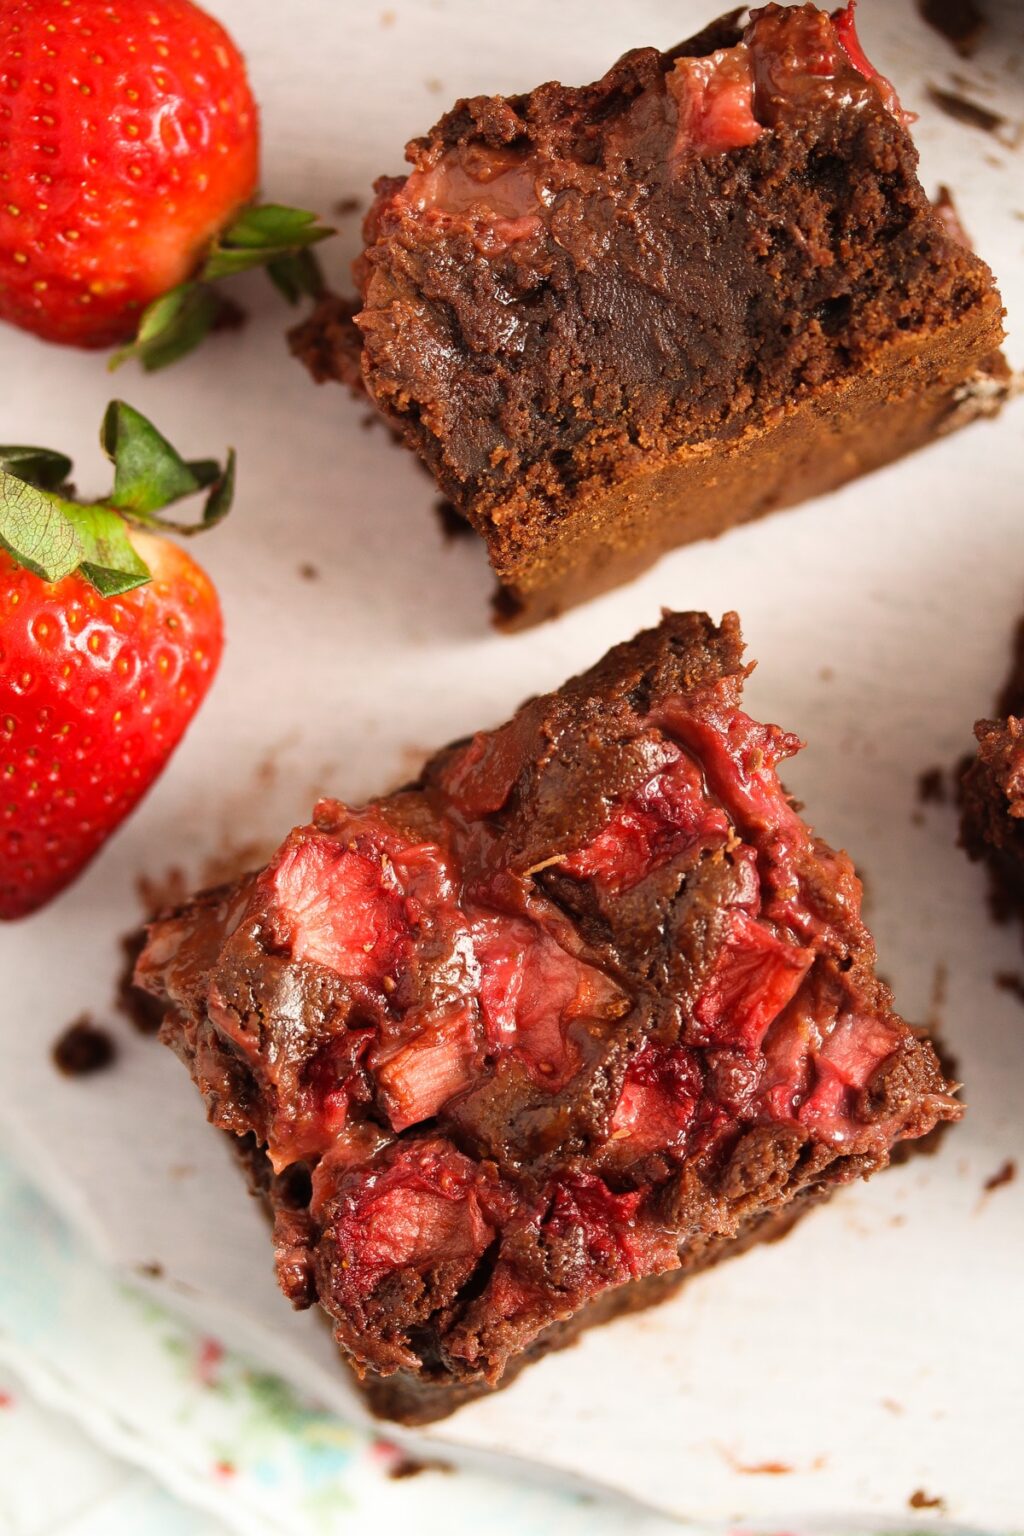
{"x":960,"y":22}
{"x":230,"y":316}
{"x":84,"y":1047}
{"x":453,"y":524}
{"x":142,"y":1011}
{"x":157,"y":892}
{"x":1012,"y":982}
{"x":963,"y":111}
{"x":308,"y":571}
{"x":412,"y":1466}
{"x":931,"y":787}
{"x":1004,"y":1175}
{"x":921,"y":1500}
{"x":152,"y":1270}
{"x":948,"y":212}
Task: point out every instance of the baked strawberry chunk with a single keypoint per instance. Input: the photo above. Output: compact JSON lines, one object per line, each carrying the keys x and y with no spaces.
{"x":755,"y":975}
{"x":583,"y":1005}
{"x":341,"y":906}
{"x":660,"y":1093}
{"x":669,"y":814}
{"x":714,"y":97}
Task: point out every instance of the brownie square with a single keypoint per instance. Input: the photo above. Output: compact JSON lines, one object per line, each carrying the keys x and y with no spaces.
{"x":617,"y":318}
{"x":991,"y":788}
{"x":515,"y":1048}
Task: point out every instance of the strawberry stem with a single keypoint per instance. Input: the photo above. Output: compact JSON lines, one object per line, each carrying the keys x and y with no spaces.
{"x":268,"y":235}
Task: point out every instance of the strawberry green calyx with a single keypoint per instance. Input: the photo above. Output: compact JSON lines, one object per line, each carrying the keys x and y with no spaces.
{"x":38,"y":466}
{"x":267,"y":235}
{"x":52,"y":535}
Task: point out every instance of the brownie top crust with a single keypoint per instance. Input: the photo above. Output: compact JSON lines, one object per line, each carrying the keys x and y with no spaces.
{"x":571,"y":284}
{"x":587,"y":992}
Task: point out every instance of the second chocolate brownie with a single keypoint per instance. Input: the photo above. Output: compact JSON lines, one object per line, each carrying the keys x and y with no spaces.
{"x":616,"y":318}
{"x":584,"y":1008}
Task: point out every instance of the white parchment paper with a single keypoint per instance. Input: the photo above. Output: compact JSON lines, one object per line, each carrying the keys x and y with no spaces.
{"x":876,"y":1352}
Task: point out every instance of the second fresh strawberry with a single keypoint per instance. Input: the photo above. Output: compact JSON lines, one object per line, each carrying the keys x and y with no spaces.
{"x":110,"y":636}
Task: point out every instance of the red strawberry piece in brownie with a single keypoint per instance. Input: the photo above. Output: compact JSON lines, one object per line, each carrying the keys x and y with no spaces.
{"x":616,"y":318}
{"x":514,"y":1048}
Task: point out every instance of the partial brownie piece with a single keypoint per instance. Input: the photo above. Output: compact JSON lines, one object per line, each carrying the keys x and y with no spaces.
{"x":617,"y":318}
{"x":992,"y":790}
{"x":584,"y":1008}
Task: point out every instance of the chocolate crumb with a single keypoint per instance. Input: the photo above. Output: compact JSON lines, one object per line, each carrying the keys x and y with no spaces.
{"x":453,"y":524}
{"x":229,"y":316}
{"x":84,"y":1047}
{"x":308,"y":571}
{"x":921,"y":1500}
{"x":963,"y":111}
{"x":1004,"y":1175}
{"x":1012,"y":982}
{"x":931,"y":787}
{"x":412,"y":1466}
{"x":152,"y":1270}
{"x":345,"y":206}
{"x":960,"y":22}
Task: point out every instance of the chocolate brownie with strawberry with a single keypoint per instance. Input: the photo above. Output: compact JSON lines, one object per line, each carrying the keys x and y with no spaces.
{"x":617,"y":318}
{"x":515,"y":1048}
{"x":991,"y":790}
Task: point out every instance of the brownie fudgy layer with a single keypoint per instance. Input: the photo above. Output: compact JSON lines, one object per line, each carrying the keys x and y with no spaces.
{"x":615,"y":318}
{"x":585,"y":1006}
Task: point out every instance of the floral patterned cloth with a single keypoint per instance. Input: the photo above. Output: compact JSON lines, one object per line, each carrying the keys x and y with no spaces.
{"x":214,"y":1434}
{"x":117,"y":1419}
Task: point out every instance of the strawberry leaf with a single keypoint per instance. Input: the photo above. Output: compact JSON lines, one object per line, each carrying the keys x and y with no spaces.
{"x":171,"y":327}
{"x":148,"y":472}
{"x":37,"y":466}
{"x":222,"y":493}
{"x":296,"y":276}
{"x":109,"y":559}
{"x":35,"y":529}
{"x":261,"y":236}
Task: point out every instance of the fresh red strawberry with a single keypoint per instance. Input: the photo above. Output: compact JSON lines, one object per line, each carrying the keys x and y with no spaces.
{"x":129,"y":144}
{"x":109,"y":640}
